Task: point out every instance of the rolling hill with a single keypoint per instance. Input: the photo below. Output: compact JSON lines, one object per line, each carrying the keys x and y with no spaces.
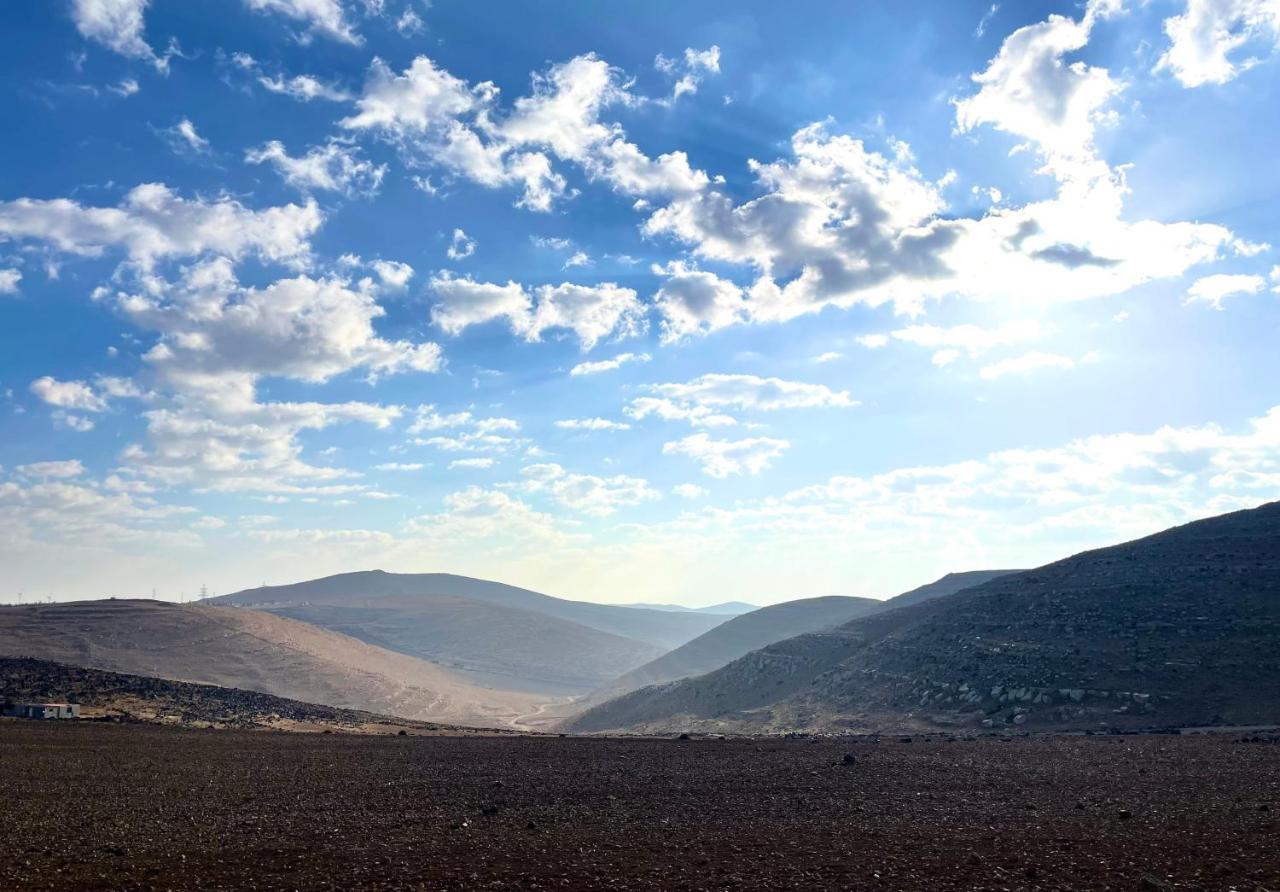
{"x":492,"y":633}
{"x":661,"y":628}
{"x":255,"y":651}
{"x":1182,"y":627}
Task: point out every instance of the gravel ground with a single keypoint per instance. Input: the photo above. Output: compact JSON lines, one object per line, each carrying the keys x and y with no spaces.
{"x":141,"y":807}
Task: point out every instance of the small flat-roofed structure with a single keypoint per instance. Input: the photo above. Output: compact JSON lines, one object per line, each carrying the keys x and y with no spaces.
{"x":43,"y":710}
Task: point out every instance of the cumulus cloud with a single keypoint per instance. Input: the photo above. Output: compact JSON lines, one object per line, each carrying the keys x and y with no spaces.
{"x":608,"y":365}
{"x":68,"y":394}
{"x":332,"y":167}
{"x":692,"y":301}
{"x":154,"y":223}
{"x":398,"y":466}
{"x":590,"y":312}
{"x":1207,"y":38}
{"x":116,"y":24}
{"x":726,"y":458}
{"x":585,"y":493}
{"x":1213,"y":290}
{"x":973,"y":340}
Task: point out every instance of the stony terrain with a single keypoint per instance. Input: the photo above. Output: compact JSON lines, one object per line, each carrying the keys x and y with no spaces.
{"x":114,"y":696}
{"x":253,"y":650}
{"x":1178,"y":628}
{"x":142,"y":807}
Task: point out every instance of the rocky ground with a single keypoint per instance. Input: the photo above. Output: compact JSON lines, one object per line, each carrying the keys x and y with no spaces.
{"x":101,"y":806}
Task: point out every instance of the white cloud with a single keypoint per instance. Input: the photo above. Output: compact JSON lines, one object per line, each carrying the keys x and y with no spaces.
{"x":724,"y":458}
{"x":305,"y":88}
{"x":116,"y":24}
{"x":1204,"y":39}
{"x":873,"y":341}
{"x":399,"y":466}
{"x":68,"y":394}
{"x":183,"y":138}
{"x":591,"y":312}
{"x":585,"y":493}
{"x":394,"y":274}
{"x":471,"y":464}
{"x":154,"y":223}
{"x":1025,"y":364}
{"x":702,"y":401}
{"x":410,"y":23}
{"x":1028,"y":90}
{"x":829,"y":356}
{"x":688,"y":491}
{"x":125,"y":88}
{"x":421,"y":101}
{"x":1213,"y":290}
{"x":9,"y":279}
{"x":464,"y":432}
{"x":693,"y":301}
{"x":460,"y":246}
{"x":689,"y":70}
{"x":59,"y":470}
{"x":592,"y":424}
{"x":608,"y":365}
{"x":332,"y":167}
{"x":325,"y":17}
{"x":974,"y":340}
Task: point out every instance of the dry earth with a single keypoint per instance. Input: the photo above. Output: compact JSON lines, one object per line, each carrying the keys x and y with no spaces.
{"x":92,"y":806}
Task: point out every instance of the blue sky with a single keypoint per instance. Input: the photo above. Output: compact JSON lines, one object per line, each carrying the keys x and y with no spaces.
{"x":628,"y":301}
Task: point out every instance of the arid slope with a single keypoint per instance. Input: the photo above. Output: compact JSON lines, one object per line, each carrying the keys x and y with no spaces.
{"x":252,"y":650}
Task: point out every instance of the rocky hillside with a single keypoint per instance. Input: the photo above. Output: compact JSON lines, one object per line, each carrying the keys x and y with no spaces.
{"x":136,"y":698}
{"x":251,"y":650}
{"x":1179,"y":627}
{"x":739,"y":636}
{"x":766,"y":625}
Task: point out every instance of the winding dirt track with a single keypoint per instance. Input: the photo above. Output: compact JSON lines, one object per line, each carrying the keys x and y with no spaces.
{"x":91,"y":806}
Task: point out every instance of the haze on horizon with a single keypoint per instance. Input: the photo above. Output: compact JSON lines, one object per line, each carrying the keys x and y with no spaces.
{"x":677,"y":305}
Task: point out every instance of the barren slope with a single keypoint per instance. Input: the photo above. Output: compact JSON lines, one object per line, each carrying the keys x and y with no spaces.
{"x":660,"y":628}
{"x":256,"y":651}
{"x":1178,"y":628}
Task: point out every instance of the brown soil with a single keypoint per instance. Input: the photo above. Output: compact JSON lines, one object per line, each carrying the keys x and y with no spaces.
{"x":88,"y":805}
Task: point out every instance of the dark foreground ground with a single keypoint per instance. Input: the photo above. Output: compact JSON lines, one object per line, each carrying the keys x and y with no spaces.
{"x":142,"y":807}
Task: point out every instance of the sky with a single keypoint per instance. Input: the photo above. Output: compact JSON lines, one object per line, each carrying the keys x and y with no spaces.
{"x":629,"y":301}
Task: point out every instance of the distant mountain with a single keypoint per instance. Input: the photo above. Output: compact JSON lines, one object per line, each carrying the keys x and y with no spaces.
{"x":254,"y":651}
{"x":663,"y":629}
{"x":739,"y":636}
{"x":1179,"y":627}
{"x":728,"y":608}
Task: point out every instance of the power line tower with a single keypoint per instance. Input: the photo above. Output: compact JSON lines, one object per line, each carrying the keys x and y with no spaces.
{"x":204,"y":592}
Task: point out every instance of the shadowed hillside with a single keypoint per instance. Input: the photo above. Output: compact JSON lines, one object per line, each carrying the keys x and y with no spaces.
{"x":1179,"y":627}
{"x":764,"y":626}
{"x":137,"y":698}
{"x":252,"y":650}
